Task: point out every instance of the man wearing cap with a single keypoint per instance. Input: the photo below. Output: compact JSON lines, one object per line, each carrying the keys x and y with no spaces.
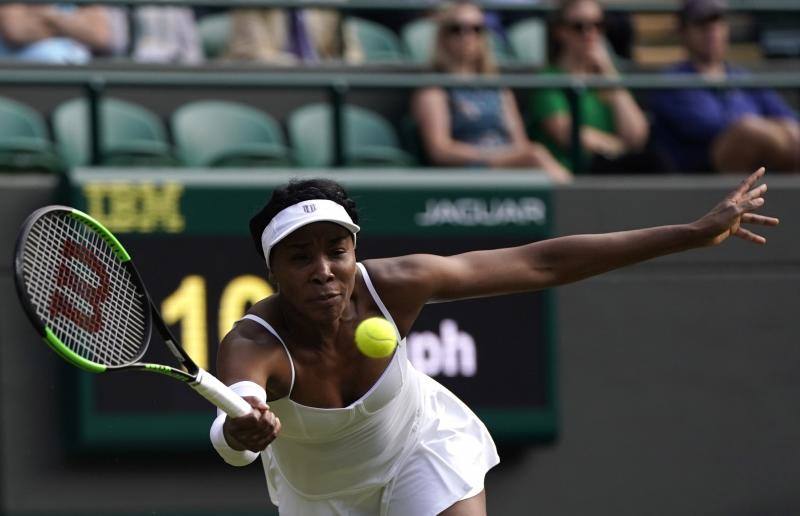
{"x":725,"y":130}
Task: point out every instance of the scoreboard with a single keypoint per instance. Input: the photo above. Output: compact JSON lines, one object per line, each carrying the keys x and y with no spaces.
{"x":187,"y":231}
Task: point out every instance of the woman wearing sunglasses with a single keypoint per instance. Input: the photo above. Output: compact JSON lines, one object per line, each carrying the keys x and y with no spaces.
{"x":614,"y":131}
{"x":472,"y":126}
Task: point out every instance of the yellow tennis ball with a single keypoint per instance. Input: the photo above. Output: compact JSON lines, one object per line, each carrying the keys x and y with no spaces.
{"x":375,"y":337}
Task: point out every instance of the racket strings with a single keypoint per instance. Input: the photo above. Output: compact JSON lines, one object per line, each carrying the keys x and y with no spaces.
{"x":81,"y":290}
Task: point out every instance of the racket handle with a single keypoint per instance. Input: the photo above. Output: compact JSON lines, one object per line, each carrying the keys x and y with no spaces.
{"x":220,"y":394}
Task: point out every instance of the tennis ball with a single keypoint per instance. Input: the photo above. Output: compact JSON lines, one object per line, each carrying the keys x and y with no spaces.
{"x":375,"y":337}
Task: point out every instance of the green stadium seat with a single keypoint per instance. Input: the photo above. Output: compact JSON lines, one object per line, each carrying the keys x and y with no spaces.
{"x":419,"y":37}
{"x":379,"y":43}
{"x":502,"y":53}
{"x":213,"y":133}
{"x":24,"y":142}
{"x":214,"y":30}
{"x":528,"y":39}
{"x":370,"y":141}
{"x":130,"y":134}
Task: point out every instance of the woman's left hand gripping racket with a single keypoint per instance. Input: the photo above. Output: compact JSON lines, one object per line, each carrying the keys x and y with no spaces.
{"x":85,"y":297}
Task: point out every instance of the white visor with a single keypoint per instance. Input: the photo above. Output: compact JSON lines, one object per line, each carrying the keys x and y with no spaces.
{"x":298,"y":215}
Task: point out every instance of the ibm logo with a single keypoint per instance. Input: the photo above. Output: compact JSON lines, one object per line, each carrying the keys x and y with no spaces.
{"x":309,"y":208}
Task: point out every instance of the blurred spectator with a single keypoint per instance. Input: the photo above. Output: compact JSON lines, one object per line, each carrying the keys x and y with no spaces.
{"x":291,"y":35}
{"x":614,"y":131}
{"x":166,"y":35}
{"x":474,"y":126}
{"x":60,"y":33}
{"x":727,"y":130}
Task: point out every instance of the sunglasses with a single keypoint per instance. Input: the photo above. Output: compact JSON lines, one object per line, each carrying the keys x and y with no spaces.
{"x":585,"y":26}
{"x":460,"y":29}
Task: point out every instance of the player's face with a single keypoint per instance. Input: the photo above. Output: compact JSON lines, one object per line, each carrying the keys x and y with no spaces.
{"x":707,"y":40}
{"x":315,"y":269}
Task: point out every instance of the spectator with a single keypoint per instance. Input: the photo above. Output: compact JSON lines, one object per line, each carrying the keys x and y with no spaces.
{"x":166,"y":35}
{"x":726,"y":130}
{"x":60,"y":33}
{"x":474,"y":126}
{"x":291,"y":35}
{"x":614,"y":131}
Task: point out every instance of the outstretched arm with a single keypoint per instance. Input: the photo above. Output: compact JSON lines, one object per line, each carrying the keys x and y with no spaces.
{"x":414,"y":280}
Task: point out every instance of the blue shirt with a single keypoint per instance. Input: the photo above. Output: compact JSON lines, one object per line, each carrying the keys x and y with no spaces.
{"x":477,"y":117}
{"x":686,"y":121}
{"x":50,"y":50}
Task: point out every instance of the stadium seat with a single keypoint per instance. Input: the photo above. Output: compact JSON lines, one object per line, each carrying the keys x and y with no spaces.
{"x":130,"y":134}
{"x":228,"y":134}
{"x":214,"y":30}
{"x":419,"y":37}
{"x":412,"y":139}
{"x":502,"y":53}
{"x":379,"y":43}
{"x":528,"y":39}
{"x":370,"y":141}
{"x":24,"y":142}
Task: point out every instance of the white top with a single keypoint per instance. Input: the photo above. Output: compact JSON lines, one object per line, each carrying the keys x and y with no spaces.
{"x":323,"y":452}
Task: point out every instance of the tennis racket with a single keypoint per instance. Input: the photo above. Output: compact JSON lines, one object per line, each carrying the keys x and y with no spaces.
{"x":83,"y":294}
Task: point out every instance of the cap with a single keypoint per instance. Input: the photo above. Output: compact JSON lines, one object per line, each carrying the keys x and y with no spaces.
{"x":698,"y":10}
{"x":292,"y":218}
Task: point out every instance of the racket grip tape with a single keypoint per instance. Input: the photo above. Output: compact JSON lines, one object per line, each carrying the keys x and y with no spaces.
{"x":220,"y":394}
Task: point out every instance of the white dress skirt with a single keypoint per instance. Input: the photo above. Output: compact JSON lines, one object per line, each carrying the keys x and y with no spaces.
{"x":448,"y":463}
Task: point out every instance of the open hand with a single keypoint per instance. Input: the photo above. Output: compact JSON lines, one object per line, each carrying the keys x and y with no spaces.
{"x":253,"y":431}
{"x":727,"y":217}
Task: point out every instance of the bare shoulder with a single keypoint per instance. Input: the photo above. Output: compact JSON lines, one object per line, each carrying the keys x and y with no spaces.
{"x":424,"y":96}
{"x":406,"y":283}
{"x":400,"y":271}
{"x":250,"y":352}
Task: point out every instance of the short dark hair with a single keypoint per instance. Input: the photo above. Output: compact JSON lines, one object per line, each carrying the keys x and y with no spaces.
{"x":693,"y":11}
{"x":295,"y":191}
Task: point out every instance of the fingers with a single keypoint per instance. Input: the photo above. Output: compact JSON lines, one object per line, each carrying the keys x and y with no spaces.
{"x":256,"y":403}
{"x":256,"y":430}
{"x":753,"y":218}
{"x":761,"y":220}
{"x":750,"y":236}
{"x":751,"y":204}
{"x":755,"y":192}
{"x":748,"y":182}
{"x":753,"y":200}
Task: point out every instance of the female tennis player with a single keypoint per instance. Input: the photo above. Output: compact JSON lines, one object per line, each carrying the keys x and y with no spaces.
{"x":347,"y":434}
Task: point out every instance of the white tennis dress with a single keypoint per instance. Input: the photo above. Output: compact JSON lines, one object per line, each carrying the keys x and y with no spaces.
{"x":408,"y":447}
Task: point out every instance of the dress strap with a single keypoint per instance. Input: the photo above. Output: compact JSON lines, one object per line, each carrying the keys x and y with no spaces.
{"x":376,"y":297}
{"x":270,"y":329}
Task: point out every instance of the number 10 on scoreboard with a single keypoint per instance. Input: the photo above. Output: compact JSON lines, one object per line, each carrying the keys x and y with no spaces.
{"x":187,"y":306}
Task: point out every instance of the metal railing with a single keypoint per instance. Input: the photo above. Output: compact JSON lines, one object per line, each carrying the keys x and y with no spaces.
{"x":338,"y":85}
{"x":659,"y":6}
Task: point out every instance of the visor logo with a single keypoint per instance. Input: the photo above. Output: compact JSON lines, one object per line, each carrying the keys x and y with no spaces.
{"x":309,"y":208}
